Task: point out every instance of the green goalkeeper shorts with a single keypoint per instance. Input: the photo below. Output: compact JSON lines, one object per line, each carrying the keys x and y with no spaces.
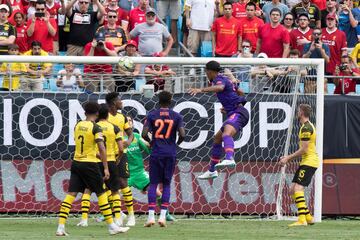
{"x":139,"y":180}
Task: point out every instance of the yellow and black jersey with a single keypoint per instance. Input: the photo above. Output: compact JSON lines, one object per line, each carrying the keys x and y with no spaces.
{"x":87,"y":134}
{"x":111,"y":135}
{"x":308,"y":133}
{"x":120,"y":121}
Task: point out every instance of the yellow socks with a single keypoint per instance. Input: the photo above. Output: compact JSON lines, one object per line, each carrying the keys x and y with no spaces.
{"x":105,"y":208}
{"x":128,"y":199}
{"x":65,"y":208}
{"x":85,"y":206}
{"x":116,"y":206}
{"x":301,"y":205}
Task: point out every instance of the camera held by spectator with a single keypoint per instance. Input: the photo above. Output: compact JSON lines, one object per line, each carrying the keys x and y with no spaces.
{"x":347,"y":84}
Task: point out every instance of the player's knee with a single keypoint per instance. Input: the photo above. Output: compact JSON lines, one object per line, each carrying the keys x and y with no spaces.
{"x":298,"y":188}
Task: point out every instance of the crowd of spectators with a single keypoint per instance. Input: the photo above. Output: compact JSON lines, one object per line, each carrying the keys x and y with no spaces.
{"x":242,"y":28}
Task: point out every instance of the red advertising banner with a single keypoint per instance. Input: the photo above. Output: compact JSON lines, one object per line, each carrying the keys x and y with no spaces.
{"x":39,"y":186}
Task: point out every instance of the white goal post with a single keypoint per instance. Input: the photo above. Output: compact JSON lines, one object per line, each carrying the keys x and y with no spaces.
{"x":316,"y":63}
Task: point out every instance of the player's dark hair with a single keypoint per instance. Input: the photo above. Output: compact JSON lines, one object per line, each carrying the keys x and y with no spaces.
{"x":251,"y":4}
{"x":103,"y":112}
{"x":111,"y":97}
{"x":306,"y":109}
{"x":91,"y":108}
{"x":165,"y":98}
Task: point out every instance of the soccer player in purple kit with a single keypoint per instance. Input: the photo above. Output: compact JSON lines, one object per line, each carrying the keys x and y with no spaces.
{"x":163,"y":124}
{"x":233,"y":102}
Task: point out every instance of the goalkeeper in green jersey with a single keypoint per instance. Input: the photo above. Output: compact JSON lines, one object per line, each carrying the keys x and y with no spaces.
{"x":139,"y":178}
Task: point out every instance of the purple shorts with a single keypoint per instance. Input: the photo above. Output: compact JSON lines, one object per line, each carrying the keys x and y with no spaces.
{"x":238,"y":120}
{"x":161,"y":169}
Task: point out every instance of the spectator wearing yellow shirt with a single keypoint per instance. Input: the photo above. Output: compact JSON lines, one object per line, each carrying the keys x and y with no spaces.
{"x":36,"y":71}
{"x":355,"y":55}
{"x":12,"y":71}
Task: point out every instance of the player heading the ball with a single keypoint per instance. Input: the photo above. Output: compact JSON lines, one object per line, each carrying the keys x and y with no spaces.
{"x":163,"y":124}
{"x":308,"y":165}
{"x":233,"y":102}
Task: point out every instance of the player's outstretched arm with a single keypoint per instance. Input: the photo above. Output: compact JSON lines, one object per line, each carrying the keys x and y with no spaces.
{"x":181,"y":138}
{"x":102,"y":155}
{"x":298,"y":153}
{"x":216,"y":88}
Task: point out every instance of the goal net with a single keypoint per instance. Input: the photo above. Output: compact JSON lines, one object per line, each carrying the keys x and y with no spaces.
{"x":36,"y":132}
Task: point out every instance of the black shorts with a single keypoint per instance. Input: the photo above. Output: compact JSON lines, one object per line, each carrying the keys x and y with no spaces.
{"x":304,"y":175}
{"x":123,"y":168}
{"x":85,"y":175}
{"x":112,"y":183}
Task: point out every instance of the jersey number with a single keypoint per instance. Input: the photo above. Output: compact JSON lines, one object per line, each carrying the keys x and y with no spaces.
{"x":161,"y":124}
{"x":82,"y":143}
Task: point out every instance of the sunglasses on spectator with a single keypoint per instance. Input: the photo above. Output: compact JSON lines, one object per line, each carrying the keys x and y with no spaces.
{"x":40,"y":9}
{"x":112,"y":16}
{"x":317,"y":33}
{"x":84,"y":2}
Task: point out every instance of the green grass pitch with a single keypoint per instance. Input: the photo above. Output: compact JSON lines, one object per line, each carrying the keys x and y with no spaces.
{"x":44,"y":228}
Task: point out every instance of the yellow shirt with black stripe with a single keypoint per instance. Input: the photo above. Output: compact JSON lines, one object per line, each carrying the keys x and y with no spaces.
{"x":121,"y":122}
{"x":87,"y":135}
{"x":111,"y":135}
{"x":308,"y":133}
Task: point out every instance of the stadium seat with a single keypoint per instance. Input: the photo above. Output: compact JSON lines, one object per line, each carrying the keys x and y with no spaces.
{"x":206,"y":49}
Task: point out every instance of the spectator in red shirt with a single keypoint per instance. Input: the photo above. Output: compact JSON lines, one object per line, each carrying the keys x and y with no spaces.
{"x":42,"y":28}
{"x":226,"y":37}
{"x":122,"y":15}
{"x":274,"y":39}
{"x":55,"y":8}
{"x":22,"y":39}
{"x":98,"y":72}
{"x":16,"y":6}
{"x":250,"y":25}
{"x":288,"y":22}
{"x":301,"y":35}
{"x":345,"y":85}
{"x":336,"y":40}
{"x":137,"y":15}
{"x":239,"y":9}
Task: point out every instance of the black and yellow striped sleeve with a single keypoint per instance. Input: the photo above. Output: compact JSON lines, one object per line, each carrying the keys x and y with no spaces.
{"x":306,"y":132}
{"x":118,"y":135}
{"x":97,"y":131}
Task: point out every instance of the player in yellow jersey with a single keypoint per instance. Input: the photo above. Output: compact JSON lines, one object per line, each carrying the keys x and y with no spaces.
{"x":85,"y":171}
{"x":112,"y":138}
{"x":308,"y":165}
{"x":118,"y":119}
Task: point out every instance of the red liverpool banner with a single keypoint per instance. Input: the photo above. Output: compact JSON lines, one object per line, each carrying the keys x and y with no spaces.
{"x":40,"y":186}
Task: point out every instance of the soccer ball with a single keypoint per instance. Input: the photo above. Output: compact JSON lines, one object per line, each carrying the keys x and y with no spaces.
{"x":126,"y":63}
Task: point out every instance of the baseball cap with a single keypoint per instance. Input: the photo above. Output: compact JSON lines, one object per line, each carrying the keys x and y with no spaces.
{"x":150,"y":10}
{"x":213,"y":66}
{"x":133,"y":43}
{"x":99,"y":36}
{"x":304,"y":14}
{"x":331,"y":16}
{"x":262,"y":55}
{"x":4,"y":6}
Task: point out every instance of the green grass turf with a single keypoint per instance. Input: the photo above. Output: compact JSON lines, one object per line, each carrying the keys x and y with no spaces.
{"x":44,"y":228}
